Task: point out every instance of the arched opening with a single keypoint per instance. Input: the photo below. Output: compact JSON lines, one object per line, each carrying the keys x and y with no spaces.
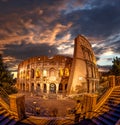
{"x":44,"y":88}
{"x":52,"y":88}
{"x":38,"y":88}
{"x":60,"y":88}
{"x":32,"y":87}
{"x":23,"y":87}
{"x":66,"y":87}
{"x":52,"y":72}
{"x":32,"y":73}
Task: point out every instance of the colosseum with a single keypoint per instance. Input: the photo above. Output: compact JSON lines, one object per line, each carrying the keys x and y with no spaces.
{"x":61,"y":74}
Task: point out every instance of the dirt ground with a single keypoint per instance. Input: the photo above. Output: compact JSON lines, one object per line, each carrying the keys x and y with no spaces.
{"x":37,"y":106}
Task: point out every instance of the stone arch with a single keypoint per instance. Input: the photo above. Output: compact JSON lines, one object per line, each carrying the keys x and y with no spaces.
{"x":60,"y":89}
{"x":32,"y":87}
{"x":52,"y":88}
{"x":23,"y":87}
{"x":66,"y":86}
{"x":52,"y":72}
{"x":38,"y":87}
{"x":44,"y":88}
{"x":32,"y":73}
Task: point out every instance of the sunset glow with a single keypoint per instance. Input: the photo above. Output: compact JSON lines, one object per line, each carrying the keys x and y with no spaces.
{"x":36,"y":28}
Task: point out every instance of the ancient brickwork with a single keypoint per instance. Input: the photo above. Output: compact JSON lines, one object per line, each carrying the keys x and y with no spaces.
{"x":44,"y":75}
{"x":84,"y":76}
{"x":61,"y":74}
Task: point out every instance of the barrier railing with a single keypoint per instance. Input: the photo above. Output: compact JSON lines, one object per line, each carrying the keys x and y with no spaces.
{"x":117,"y":81}
{"x":104,"y":87}
{"x":4,"y":95}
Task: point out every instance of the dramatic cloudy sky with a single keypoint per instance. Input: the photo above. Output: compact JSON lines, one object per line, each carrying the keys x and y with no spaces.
{"x":48,"y":27}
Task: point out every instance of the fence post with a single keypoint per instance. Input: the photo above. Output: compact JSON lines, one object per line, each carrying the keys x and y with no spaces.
{"x":89,"y":103}
{"x":17,"y":105}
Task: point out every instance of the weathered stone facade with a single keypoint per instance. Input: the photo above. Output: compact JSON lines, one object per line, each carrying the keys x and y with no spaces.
{"x":84,"y":76}
{"x":44,"y":75}
{"x":61,"y":74}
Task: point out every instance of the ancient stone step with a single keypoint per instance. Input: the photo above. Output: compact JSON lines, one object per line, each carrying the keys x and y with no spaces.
{"x":97,"y":121}
{"x":110,"y":118}
{"x":5,"y":121}
{"x":109,"y":113}
{"x":12,"y":122}
{"x":4,"y":116}
{"x":105,"y":121}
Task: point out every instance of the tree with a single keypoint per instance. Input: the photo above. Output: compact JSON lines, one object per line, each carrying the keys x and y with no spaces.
{"x":6,"y":78}
{"x":115,"y":70}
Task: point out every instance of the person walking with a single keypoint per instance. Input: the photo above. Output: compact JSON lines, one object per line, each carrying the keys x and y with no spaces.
{"x":77,"y":111}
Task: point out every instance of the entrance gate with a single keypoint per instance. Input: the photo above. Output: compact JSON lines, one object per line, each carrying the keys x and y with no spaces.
{"x":52,"y":88}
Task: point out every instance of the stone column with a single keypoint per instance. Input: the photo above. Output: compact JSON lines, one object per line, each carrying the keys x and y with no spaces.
{"x":17,"y":105}
{"x":48,"y":88}
{"x":57,"y":87}
{"x":29,"y":89}
{"x":111,"y":80}
{"x":89,"y":103}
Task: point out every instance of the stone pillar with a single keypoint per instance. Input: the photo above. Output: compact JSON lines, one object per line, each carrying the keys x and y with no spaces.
{"x":111,"y":80}
{"x":48,"y":88}
{"x":57,"y":87}
{"x":29,"y":89}
{"x":89,"y":103}
{"x":17,"y":105}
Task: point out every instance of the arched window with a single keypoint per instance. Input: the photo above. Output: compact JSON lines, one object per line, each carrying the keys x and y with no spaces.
{"x":32,"y":73}
{"x":52,"y":88}
{"x":52,"y":72}
{"x":66,"y":86}
{"x":27,"y":74}
{"x":61,"y":72}
{"x":37,"y":73}
{"x":66,"y":72}
{"x":60,"y":87}
{"x":38,"y":87}
{"x":32,"y":87}
{"x":23,"y":86}
{"x":44,"y":88}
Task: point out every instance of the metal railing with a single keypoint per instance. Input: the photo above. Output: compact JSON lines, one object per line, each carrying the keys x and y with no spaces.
{"x":117,"y":81}
{"x":83,"y":118}
{"x":4,"y":96}
{"x":103,"y":89}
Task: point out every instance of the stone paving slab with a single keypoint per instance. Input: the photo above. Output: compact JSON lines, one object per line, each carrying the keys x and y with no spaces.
{"x":32,"y":120}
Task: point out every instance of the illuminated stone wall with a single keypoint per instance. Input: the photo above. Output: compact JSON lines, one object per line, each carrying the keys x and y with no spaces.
{"x":44,"y":75}
{"x":61,"y":74}
{"x":84,"y":76}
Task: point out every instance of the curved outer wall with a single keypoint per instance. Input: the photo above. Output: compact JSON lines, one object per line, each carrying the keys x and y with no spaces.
{"x":44,"y":75}
{"x":61,"y":74}
{"x":84,"y":76}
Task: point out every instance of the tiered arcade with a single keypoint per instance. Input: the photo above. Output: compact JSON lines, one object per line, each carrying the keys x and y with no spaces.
{"x":61,"y":74}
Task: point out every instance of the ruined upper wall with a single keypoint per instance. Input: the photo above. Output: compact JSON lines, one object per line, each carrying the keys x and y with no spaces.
{"x":83,"y":49}
{"x":84,"y":72}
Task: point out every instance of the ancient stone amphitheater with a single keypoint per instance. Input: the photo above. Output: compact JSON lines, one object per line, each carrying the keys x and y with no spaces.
{"x":67,"y":76}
